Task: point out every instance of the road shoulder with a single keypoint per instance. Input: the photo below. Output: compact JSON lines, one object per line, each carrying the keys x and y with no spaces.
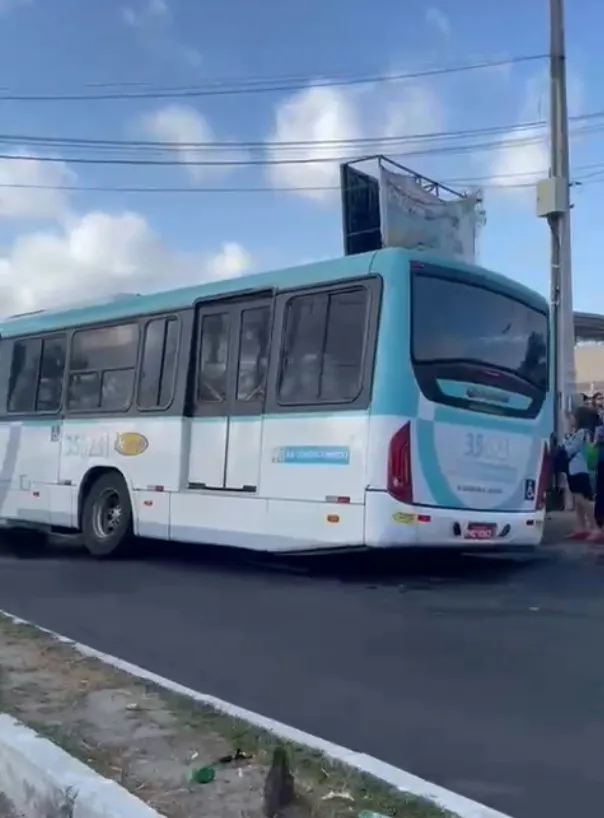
{"x":157,"y":749}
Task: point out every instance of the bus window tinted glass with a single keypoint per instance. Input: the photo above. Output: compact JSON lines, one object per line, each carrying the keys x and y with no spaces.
{"x":253,"y":354}
{"x":106,"y":348}
{"x":454,"y":321}
{"x":168,"y":372}
{"x":116,"y":389}
{"x":52,"y":368}
{"x":302,"y":355}
{"x":344,"y":342}
{"x":84,"y":390}
{"x":158,"y":367}
{"x":213,"y":359}
{"x":23,"y":379}
{"x":324,"y":344}
{"x":150,"y":376}
{"x":102,"y":368}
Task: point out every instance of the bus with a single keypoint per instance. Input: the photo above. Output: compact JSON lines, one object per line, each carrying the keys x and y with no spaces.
{"x":379,"y":400}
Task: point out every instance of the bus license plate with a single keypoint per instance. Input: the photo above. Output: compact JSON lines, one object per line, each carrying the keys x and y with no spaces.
{"x":480,"y":531}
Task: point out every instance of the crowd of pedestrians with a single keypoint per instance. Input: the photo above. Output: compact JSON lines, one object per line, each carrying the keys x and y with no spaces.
{"x":581,"y":461}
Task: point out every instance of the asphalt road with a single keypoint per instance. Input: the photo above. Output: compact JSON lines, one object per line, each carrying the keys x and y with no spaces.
{"x":485,"y":676}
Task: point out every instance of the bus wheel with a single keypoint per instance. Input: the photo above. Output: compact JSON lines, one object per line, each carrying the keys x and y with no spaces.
{"x":107,"y":517}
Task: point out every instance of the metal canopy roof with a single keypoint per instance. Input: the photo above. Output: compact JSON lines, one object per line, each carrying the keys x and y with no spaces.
{"x":589,"y":327}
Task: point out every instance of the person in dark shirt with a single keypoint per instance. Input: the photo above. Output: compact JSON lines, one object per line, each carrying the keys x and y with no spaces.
{"x":598,"y":438}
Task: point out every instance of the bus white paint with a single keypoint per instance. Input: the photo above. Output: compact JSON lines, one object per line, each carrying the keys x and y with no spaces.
{"x":378,"y":400}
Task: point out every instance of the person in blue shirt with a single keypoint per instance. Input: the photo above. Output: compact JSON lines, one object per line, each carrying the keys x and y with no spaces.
{"x":579,"y":479}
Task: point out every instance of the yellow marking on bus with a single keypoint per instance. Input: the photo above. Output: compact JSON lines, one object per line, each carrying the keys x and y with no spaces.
{"x":131,"y":444}
{"x":403,"y":518}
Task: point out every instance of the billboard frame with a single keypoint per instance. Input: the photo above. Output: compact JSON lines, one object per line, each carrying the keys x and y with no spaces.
{"x":424,"y":182}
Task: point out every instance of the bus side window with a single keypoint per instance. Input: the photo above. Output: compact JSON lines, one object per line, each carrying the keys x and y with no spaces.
{"x":23,"y":379}
{"x":301,"y":359}
{"x":324,"y":344}
{"x":102,"y":368}
{"x":52,"y":369}
{"x":213,"y":358}
{"x":158,"y":363}
{"x":344,"y":345}
{"x":253,"y":354}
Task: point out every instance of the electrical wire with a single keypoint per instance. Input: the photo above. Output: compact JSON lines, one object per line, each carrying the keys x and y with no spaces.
{"x":519,"y":135}
{"x":226,"y":87}
{"x":87,"y":142}
{"x":501,"y":181}
{"x":266,"y":161}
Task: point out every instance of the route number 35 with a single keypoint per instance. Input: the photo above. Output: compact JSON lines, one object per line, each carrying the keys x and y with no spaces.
{"x":478,"y":445}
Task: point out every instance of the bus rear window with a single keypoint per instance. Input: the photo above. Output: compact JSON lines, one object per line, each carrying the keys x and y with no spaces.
{"x":464,"y":332}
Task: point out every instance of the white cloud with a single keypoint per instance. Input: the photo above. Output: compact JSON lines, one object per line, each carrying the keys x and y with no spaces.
{"x":321,"y":115}
{"x":524,"y":155}
{"x":192,"y":56}
{"x":151,"y":21}
{"x":149,"y":11}
{"x":522,"y":159}
{"x":232,"y":260}
{"x":128,"y":16}
{"x":22,"y":187}
{"x":437,"y":19}
{"x":185,"y":128}
{"x":99,"y":255}
{"x":411,"y":109}
{"x":9,"y":5}
{"x":331,"y":119}
{"x":158,"y":8}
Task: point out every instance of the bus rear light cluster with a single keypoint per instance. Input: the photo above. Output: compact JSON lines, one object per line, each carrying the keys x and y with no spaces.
{"x":544,"y":479}
{"x":400,"y":483}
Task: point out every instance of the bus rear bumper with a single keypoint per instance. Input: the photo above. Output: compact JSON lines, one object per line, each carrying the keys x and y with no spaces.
{"x":389,"y":524}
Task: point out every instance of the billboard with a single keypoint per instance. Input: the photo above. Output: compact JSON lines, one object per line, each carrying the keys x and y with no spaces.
{"x":414,"y":218}
{"x":360,"y":211}
{"x":400,"y":209}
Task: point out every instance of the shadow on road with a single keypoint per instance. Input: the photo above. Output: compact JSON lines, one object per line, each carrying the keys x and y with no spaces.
{"x":413,"y":568}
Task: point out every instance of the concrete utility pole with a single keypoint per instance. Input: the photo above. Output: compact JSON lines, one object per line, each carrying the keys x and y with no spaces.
{"x":554,"y":204}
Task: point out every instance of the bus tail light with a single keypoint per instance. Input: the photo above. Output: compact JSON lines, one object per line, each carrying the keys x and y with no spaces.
{"x":543,"y":482}
{"x":400,"y":484}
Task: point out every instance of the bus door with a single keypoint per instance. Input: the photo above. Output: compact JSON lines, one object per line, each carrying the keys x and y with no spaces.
{"x":231,"y":363}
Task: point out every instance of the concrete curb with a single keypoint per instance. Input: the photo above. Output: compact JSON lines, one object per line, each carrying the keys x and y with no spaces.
{"x":397,"y":778}
{"x":40,"y":778}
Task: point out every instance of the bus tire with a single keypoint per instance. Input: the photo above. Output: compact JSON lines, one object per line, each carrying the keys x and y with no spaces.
{"x":107,"y":517}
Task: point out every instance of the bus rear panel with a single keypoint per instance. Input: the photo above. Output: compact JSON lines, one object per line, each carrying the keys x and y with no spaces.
{"x":460,"y":411}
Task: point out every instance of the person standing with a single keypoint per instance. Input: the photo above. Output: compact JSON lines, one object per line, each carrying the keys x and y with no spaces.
{"x":579,"y":480}
{"x":598,"y":535}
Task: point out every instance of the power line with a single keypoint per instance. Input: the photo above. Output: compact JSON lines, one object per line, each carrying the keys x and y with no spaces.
{"x":302,"y":79}
{"x":87,"y":142}
{"x":273,"y":161}
{"x":223,"y":88}
{"x":527,"y":133}
{"x":489,"y":182}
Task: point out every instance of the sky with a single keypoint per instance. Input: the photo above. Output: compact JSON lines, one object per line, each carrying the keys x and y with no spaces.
{"x":157,"y":59}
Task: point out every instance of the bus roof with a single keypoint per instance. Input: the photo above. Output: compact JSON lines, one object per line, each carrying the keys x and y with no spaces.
{"x":131,"y":305}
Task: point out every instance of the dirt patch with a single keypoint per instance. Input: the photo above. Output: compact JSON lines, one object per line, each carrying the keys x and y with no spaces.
{"x":155,"y":743}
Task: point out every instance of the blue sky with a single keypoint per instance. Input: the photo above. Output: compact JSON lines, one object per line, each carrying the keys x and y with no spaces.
{"x":54,"y":241}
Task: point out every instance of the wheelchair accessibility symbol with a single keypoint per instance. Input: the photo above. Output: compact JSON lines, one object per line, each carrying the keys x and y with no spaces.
{"x":530,"y":489}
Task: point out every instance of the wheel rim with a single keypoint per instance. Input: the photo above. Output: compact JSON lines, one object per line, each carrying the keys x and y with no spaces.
{"x":107,"y":514}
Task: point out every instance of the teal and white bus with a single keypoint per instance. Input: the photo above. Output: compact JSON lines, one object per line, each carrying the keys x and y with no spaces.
{"x":379,"y":400}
